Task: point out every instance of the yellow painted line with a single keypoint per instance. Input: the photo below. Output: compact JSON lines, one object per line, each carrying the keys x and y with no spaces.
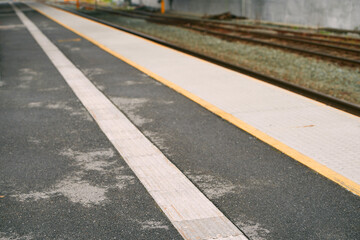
{"x":143,"y":39}
{"x":70,"y":40}
{"x":305,"y":160}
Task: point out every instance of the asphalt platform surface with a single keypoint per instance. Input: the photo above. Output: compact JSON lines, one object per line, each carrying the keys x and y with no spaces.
{"x":60,"y":178}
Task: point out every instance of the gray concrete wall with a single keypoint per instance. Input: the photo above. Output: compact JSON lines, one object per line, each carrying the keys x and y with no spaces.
{"x":208,"y":6}
{"x":150,"y":3}
{"x":324,"y":13}
{"x":197,"y":6}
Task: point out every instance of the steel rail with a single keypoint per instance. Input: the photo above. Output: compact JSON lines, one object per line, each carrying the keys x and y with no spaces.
{"x":338,"y":30}
{"x":289,"y":38}
{"x":298,"y":33}
{"x":321,"y":97}
{"x":326,"y":41}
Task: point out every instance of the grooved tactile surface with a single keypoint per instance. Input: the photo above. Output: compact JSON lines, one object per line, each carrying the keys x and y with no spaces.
{"x":188,"y":209}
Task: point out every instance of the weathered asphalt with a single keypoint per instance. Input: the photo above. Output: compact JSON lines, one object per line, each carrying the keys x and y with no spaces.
{"x":46,"y":135}
{"x":60,"y":176}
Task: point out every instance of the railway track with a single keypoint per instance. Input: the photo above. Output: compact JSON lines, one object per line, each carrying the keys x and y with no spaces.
{"x":289,"y":35}
{"x":341,"y":55}
{"x":327,"y":99}
{"x":355,"y":48}
{"x":305,"y":35}
{"x":342,"y":52}
{"x":300,"y":34}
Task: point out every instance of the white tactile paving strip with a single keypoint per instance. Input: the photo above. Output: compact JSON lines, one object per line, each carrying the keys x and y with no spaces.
{"x":327,"y":135}
{"x":193,"y":215}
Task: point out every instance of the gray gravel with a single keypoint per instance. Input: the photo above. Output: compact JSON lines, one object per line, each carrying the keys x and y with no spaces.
{"x":330,"y":78}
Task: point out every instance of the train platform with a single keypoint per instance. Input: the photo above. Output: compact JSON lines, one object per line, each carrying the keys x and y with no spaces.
{"x":105,"y":135}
